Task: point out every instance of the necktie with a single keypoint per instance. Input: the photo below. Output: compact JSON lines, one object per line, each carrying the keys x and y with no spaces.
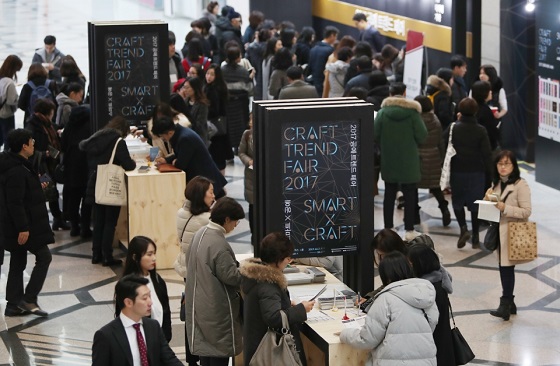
{"x":141,"y":345}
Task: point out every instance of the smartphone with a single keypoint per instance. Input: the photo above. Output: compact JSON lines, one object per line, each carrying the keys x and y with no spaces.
{"x":144,"y":169}
{"x":45,"y":178}
{"x":494,"y":197}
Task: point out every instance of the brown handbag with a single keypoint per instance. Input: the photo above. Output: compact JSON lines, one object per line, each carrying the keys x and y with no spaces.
{"x":167,"y":168}
{"x":522,"y":241}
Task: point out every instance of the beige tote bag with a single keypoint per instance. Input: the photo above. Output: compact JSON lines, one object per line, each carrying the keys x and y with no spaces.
{"x":110,"y":187}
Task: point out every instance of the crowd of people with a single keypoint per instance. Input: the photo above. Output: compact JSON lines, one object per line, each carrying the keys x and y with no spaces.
{"x":199,"y":129}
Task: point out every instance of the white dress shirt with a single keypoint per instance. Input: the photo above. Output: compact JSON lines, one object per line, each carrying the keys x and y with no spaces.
{"x":132,"y":340}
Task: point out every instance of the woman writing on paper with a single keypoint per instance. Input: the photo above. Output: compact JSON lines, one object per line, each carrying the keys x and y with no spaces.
{"x":398,"y":327}
{"x":266,"y":294}
{"x":515,"y":206}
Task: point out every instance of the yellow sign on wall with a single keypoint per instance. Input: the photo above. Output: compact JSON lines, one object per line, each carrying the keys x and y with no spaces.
{"x":391,"y":25}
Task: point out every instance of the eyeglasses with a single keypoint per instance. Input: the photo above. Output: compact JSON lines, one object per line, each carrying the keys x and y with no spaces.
{"x":504,"y":165}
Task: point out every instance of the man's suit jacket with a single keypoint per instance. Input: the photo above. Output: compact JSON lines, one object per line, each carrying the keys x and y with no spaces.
{"x":111,"y":348}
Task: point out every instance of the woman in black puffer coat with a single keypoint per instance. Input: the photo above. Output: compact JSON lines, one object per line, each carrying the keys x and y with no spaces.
{"x":99,"y":148}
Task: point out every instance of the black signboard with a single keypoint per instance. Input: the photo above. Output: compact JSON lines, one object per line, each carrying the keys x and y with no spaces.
{"x":321,"y":186}
{"x":547,"y":148}
{"x":129,"y":69}
{"x":314,"y":179}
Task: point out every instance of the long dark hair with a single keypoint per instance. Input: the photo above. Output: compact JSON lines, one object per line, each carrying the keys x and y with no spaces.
{"x":197,"y":85}
{"x":219,"y":81}
{"x":195,"y":192}
{"x":282,"y":59}
{"x":270,"y":48}
{"x":10,"y":66}
{"x":394,"y":267}
{"x":423,"y":259}
{"x":515,"y":174}
{"x":388,"y":241}
{"x":493,"y":78}
{"x":137,"y":248}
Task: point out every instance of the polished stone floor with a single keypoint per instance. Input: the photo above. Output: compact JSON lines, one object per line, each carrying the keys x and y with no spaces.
{"x":78,"y":295}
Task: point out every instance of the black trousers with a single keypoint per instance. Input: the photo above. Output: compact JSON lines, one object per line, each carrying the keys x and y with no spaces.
{"x":104,"y":223}
{"x":214,"y":361}
{"x":410,"y":193}
{"x":72,"y":198}
{"x":18,"y":262}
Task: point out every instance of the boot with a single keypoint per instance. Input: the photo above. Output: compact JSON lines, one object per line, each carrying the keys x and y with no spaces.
{"x":463,"y":237}
{"x":75,"y":229}
{"x":504,"y":310}
{"x":475,"y":241}
{"x":60,"y":224}
{"x":513,"y":307}
{"x":445,"y":215}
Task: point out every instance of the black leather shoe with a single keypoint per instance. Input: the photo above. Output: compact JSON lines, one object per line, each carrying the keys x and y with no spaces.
{"x":32,"y":308}
{"x":95,"y":260}
{"x":86,"y":233}
{"x":14,"y":311}
{"x":112,"y":262}
{"x":59,"y":224}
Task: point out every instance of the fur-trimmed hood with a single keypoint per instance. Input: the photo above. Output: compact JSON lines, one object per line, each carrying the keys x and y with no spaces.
{"x":402,"y":102}
{"x":254,"y":271}
{"x":438,"y":83}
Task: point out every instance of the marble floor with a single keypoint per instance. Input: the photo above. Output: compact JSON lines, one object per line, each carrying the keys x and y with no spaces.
{"x":78,"y":295}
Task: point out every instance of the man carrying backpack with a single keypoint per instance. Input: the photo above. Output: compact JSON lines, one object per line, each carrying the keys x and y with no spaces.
{"x":50,"y":57}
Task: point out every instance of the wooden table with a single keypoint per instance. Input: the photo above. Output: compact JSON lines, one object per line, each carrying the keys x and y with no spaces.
{"x":322,"y":346}
{"x":153,"y":201}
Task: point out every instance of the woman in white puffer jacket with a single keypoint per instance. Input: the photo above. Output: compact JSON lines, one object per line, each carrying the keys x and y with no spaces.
{"x":399,"y":325}
{"x":194,"y":214}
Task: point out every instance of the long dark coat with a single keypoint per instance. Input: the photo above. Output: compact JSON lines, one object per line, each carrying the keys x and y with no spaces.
{"x":431,"y":152}
{"x":22,"y":204}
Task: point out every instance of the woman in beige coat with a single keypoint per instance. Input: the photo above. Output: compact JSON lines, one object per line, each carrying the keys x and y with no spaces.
{"x":515,"y":206}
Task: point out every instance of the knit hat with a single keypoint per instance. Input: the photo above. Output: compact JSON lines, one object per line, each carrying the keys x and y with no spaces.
{"x":234,"y":15}
{"x":445,"y":74}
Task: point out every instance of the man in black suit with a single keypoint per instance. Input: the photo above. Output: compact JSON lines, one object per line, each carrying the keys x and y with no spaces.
{"x":132,"y":339}
{"x":191,"y":154}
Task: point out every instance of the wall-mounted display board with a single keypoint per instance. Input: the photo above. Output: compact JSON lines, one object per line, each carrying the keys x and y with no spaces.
{"x":129,"y":69}
{"x":314,"y":176}
{"x":547,"y":147}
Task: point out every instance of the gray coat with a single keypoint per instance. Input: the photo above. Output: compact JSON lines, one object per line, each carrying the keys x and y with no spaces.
{"x":396,"y":330}
{"x":431,"y":152}
{"x":212,"y":304}
{"x":298,"y":89}
{"x":246,"y":154}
